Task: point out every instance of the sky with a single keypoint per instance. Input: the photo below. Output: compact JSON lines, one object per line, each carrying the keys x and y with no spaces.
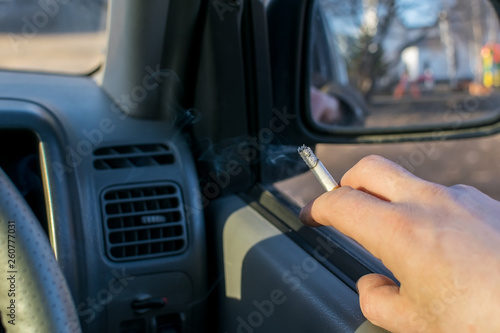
{"x":419,"y":14}
{"x":413,"y":13}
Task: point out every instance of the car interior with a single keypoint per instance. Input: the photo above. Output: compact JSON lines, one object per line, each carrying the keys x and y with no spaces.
{"x":157,"y":188}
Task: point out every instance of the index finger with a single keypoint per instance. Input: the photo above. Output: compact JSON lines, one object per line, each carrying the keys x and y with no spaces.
{"x":382,"y":178}
{"x":379,"y":226}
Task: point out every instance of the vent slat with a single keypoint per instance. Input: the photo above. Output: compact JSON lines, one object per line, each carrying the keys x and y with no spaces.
{"x":134,"y":199}
{"x":145,"y":213}
{"x":135,"y":206}
{"x":166,"y":196}
{"x":132,"y":156}
{"x":147,"y":251}
{"x":147,"y":227}
{"x":144,"y":221}
{"x":141,"y":192}
{"x":170,"y":239}
{"x":148,"y":148}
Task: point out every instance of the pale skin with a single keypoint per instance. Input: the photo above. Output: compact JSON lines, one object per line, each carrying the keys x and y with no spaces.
{"x":325,"y":108}
{"x":441,"y":243}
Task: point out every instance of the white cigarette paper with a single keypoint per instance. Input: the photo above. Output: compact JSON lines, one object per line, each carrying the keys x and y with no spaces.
{"x":319,"y":170}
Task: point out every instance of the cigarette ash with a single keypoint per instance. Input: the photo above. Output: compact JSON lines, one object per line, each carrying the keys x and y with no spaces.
{"x":308,"y":156}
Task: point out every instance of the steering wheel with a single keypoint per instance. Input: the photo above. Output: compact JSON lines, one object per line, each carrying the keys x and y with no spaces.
{"x":34,"y":296}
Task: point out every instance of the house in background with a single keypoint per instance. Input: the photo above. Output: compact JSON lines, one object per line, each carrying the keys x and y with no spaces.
{"x":450,"y":48}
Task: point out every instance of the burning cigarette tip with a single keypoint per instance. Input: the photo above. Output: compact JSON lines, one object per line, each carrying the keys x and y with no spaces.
{"x":319,"y":170}
{"x":308,"y":156}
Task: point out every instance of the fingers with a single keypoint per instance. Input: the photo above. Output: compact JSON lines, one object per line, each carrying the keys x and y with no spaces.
{"x":306,"y":216}
{"x":382,"y":304}
{"x":382,"y":178}
{"x":377,"y":225}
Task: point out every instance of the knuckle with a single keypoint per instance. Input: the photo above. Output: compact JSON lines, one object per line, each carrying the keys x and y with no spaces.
{"x":435,"y":191}
{"x":321,"y":210}
{"x":462,"y":189}
{"x":463,"y":194}
{"x":371,"y":160}
{"x":339,"y":197}
{"x":367,"y":165}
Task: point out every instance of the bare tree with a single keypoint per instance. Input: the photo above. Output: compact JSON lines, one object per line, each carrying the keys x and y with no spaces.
{"x":366,"y":57}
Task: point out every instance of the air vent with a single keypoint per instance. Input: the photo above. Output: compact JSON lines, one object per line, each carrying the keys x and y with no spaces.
{"x":120,"y":157}
{"x":144,"y":221}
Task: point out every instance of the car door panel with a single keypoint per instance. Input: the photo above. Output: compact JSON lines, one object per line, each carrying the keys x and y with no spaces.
{"x":273,"y":285}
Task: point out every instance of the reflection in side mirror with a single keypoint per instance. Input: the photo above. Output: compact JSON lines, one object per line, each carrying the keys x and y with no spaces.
{"x":325,"y":109}
{"x":330,"y":107}
{"x":409,"y":64}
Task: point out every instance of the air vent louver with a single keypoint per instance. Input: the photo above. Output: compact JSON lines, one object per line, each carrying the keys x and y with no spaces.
{"x":144,"y":221}
{"x":135,"y":156}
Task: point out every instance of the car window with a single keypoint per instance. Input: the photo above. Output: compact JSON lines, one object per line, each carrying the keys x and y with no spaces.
{"x":472,"y":162}
{"x":369,"y":48}
{"x":60,"y":36}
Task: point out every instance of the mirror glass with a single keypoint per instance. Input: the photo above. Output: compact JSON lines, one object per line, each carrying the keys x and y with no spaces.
{"x":404,"y":64}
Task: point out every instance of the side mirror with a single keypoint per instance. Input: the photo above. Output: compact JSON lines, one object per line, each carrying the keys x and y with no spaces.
{"x":402,"y":66}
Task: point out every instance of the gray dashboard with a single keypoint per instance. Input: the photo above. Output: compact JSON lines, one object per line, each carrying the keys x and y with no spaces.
{"x":125,"y":220}
{"x":90,"y":152}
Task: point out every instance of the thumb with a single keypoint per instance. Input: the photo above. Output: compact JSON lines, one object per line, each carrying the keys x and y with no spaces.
{"x":382,"y":304}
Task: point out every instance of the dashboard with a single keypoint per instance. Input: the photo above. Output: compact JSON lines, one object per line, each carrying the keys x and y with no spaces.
{"x":121,"y":205}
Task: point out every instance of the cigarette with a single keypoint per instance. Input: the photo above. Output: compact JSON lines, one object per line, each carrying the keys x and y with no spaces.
{"x":319,"y":170}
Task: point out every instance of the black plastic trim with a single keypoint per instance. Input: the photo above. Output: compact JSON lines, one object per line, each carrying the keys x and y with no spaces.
{"x":340,"y":255}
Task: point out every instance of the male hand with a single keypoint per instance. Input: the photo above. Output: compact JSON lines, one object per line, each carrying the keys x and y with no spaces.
{"x":441,"y":243}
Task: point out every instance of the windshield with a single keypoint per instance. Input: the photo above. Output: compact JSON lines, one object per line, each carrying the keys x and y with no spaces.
{"x":59,"y":36}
